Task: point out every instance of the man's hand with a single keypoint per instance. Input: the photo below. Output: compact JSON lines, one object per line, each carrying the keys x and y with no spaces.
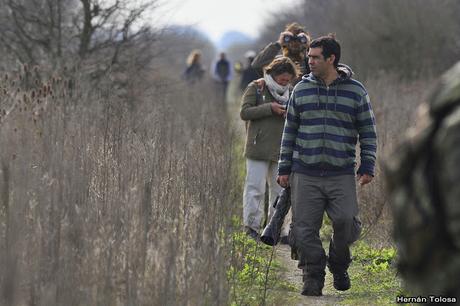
{"x":278,"y":109}
{"x":364,"y":179}
{"x":283,"y":180}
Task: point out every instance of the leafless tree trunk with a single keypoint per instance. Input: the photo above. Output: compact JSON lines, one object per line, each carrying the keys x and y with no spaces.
{"x":94,"y":33}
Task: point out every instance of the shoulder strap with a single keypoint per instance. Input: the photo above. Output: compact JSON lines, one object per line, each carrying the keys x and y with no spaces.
{"x":259,"y":91}
{"x":258,"y":95}
{"x":258,"y":98}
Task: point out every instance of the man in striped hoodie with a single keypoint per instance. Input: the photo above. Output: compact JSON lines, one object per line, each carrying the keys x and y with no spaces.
{"x":328,"y":113}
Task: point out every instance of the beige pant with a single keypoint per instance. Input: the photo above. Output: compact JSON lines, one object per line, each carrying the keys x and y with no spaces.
{"x":258,"y":174}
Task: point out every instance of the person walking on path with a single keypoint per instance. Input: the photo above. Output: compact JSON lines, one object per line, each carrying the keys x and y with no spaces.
{"x":194,"y":71}
{"x":293,"y":42}
{"x":327,"y":113}
{"x":264,"y":111}
{"x":248,"y":74}
{"x":222,"y":71}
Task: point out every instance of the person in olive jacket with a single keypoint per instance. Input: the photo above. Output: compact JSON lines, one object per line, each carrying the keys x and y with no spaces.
{"x":264,"y":110}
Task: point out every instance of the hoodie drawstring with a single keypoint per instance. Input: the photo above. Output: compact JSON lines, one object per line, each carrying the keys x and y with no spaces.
{"x":335,"y":98}
{"x":317,"y":94}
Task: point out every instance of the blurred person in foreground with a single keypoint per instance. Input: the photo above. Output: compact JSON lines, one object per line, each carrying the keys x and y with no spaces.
{"x":264,"y":109}
{"x":423,"y":175}
{"x":327,"y":113}
{"x":194,"y":71}
{"x":293,"y":42}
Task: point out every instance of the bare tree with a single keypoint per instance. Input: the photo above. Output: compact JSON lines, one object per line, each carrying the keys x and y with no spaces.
{"x":58,"y":32}
{"x":408,"y":37}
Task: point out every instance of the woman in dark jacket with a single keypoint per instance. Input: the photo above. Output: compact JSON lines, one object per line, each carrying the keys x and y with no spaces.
{"x":194,"y":71}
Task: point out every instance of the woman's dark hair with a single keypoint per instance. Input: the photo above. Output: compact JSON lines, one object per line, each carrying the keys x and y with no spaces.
{"x":329,"y":45}
{"x":281,"y":65}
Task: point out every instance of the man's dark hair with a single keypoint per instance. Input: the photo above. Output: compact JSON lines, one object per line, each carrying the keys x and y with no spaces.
{"x":329,"y":45}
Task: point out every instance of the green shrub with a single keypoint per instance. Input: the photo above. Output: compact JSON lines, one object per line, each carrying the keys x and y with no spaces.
{"x":253,"y":274}
{"x":373,"y":276}
{"x":374,"y":260}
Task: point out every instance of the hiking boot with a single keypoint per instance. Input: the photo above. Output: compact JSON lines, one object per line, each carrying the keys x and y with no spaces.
{"x":338,"y":266}
{"x":313,"y":283}
{"x":312,"y":287}
{"x":341,"y":281}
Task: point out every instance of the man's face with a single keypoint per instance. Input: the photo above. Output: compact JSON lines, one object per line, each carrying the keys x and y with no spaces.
{"x":318,"y":64}
{"x":295,"y":47}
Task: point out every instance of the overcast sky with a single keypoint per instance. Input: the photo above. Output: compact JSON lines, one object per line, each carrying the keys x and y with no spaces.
{"x":215,"y":17}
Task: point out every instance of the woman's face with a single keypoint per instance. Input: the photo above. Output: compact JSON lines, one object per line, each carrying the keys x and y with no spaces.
{"x":283,"y":79}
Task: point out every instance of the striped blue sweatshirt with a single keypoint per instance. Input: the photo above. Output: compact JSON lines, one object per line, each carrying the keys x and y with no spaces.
{"x":323,"y":126}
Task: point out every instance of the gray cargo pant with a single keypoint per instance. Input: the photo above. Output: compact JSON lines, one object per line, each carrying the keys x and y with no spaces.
{"x":310,"y":197}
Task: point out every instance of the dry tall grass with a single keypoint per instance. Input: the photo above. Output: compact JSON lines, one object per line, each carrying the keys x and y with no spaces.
{"x":395,"y":104}
{"x":112,"y":196}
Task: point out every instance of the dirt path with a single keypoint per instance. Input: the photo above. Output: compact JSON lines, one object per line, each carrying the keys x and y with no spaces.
{"x":294,"y":276}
